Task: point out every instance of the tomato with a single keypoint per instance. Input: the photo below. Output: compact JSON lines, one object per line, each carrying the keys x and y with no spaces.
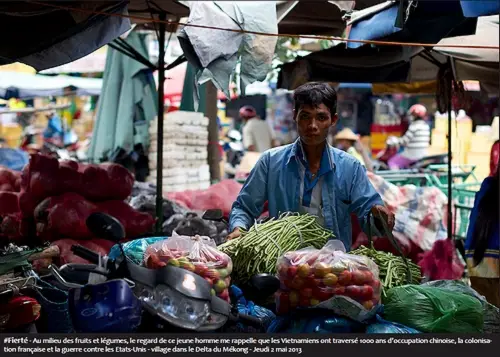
{"x":292,"y":271}
{"x":339,"y":290}
{"x":210,"y":281}
{"x":366,"y":292}
{"x":310,"y":282}
{"x":321,"y":269}
{"x":376,"y":285}
{"x":282,"y":297}
{"x":297,"y":283}
{"x":321,"y":294}
{"x":330,"y":279}
{"x":358,"y":277}
{"x":212,"y":274}
{"x":353,"y":291}
{"x":224,"y":294}
{"x":287,"y":283}
{"x":314,"y":302}
{"x":306,"y":292}
{"x":345,"y":278}
{"x":200,"y":269}
{"x":304,"y":301}
{"x":369,"y":278}
{"x":303,"y":270}
{"x":368,"y":305}
{"x":294,"y":298}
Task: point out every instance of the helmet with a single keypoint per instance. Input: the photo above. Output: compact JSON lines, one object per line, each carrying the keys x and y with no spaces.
{"x":418,"y":111}
{"x":248,"y":112}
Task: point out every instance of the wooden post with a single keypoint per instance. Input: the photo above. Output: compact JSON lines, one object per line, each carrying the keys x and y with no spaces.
{"x":213,"y":131}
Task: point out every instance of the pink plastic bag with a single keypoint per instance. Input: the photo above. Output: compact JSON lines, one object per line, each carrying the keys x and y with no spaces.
{"x":196,"y":254}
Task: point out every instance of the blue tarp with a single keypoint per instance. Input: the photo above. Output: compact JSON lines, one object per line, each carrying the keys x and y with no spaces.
{"x":428,"y":22}
{"x":13,"y":159}
{"x":480,"y":8}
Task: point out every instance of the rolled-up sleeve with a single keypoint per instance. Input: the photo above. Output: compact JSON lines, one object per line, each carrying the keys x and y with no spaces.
{"x":248,"y":206}
{"x":363,"y":194}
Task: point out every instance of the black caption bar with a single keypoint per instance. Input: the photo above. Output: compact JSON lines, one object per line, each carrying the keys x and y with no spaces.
{"x":242,"y":345}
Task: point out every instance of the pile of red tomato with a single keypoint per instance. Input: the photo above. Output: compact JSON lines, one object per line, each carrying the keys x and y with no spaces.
{"x":316,"y":279}
{"x":214,"y":266}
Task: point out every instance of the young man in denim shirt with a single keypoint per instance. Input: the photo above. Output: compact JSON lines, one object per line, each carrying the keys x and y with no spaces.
{"x":310,"y":176}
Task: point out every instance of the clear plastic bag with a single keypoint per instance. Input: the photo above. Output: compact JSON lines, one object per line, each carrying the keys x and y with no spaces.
{"x":329,"y":278}
{"x":197,"y":254}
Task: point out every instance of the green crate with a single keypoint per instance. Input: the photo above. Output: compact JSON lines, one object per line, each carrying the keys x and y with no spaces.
{"x":463,"y":203}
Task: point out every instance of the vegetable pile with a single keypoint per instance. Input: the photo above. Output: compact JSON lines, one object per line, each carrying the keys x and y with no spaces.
{"x":196,"y":254}
{"x":393,"y":269}
{"x":258,"y":249}
{"x":310,"y":276}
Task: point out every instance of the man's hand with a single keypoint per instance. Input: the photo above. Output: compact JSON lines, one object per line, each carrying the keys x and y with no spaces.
{"x":234,"y":234}
{"x":383,"y":213}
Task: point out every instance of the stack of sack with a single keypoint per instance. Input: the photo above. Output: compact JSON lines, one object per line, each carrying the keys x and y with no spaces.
{"x":56,"y":199}
{"x":185,"y":153}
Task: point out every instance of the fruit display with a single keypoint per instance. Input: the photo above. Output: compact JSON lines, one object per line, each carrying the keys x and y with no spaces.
{"x":393,"y":270}
{"x":258,"y":249}
{"x":309,"y":277}
{"x":196,"y":254}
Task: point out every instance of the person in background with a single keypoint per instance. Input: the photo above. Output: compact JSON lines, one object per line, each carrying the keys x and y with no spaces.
{"x":482,"y":246}
{"x":416,"y":140}
{"x":346,"y":140}
{"x":310,"y":176}
{"x":257,"y":135}
{"x":54,"y":131}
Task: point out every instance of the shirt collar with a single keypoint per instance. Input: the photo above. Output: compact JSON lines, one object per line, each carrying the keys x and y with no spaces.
{"x":327,"y":163}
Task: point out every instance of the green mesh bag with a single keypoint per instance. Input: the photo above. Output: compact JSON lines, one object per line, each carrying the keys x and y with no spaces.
{"x":432,"y":309}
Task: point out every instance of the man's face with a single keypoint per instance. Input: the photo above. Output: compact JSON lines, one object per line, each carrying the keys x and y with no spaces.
{"x":313,"y":123}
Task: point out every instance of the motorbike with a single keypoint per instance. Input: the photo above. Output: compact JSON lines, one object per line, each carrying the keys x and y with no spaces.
{"x":381,"y":160}
{"x":172,"y":299}
{"x":233,"y":147}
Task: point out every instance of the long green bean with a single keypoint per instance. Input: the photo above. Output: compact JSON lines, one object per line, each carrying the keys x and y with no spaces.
{"x":258,"y":248}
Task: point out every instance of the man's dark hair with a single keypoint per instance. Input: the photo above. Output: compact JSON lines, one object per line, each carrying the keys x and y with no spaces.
{"x":315,"y":94}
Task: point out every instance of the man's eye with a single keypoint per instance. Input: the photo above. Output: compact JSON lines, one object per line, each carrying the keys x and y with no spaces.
{"x":322,"y":118}
{"x":304,"y":117}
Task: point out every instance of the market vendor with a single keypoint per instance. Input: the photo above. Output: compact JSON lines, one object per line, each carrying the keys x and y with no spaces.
{"x":310,"y":176}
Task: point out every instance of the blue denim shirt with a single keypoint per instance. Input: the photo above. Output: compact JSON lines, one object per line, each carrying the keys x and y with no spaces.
{"x":276,"y":178}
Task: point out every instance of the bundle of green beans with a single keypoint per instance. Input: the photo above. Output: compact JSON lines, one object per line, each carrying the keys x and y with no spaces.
{"x":393,"y":270}
{"x":258,"y":249}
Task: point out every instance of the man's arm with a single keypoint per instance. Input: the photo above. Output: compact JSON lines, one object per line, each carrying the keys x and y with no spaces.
{"x":248,"y":140}
{"x":248,"y":206}
{"x":364,"y":198}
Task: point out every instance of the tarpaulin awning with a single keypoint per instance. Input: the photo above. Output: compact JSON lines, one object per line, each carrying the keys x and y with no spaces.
{"x":59,"y":32}
{"x":127,"y":104}
{"x":366,"y":64}
{"x":478,"y":8}
{"x":217,"y":63}
{"x":25,"y":85}
{"x":45,"y":37}
{"x":92,"y":63}
{"x":316,"y":18}
{"x":419,"y":22}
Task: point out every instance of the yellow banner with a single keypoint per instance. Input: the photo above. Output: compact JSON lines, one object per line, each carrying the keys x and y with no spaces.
{"x":428,"y":87}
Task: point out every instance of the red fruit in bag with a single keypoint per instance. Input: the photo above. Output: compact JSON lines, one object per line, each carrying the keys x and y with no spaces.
{"x":297,"y":283}
{"x":303,"y":270}
{"x":345,"y":278}
{"x":292,"y":271}
{"x":366,"y":292}
{"x":306,"y":292}
{"x":358,"y":277}
{"x":353,"y":291}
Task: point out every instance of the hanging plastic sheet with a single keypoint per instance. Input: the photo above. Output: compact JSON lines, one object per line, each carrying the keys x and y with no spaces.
{"x":215,"y":53}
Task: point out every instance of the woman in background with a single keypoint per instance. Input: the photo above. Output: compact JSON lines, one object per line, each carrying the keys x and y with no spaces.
{"x":482,"y":247}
